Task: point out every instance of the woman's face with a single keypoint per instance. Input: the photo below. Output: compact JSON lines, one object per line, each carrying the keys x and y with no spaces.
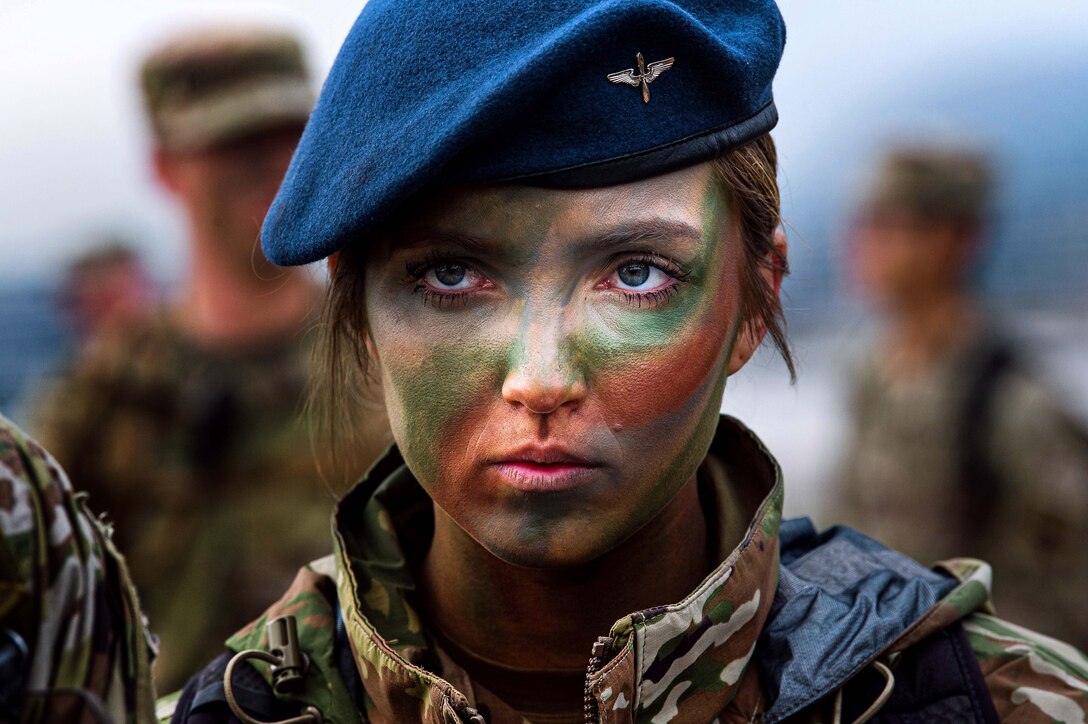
{"x":553,"y":361}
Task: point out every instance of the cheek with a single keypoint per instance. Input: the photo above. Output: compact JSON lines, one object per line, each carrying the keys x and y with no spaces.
{"x":665,"y":368}
{"x":666,"y":380}
{"x":435,"y":393}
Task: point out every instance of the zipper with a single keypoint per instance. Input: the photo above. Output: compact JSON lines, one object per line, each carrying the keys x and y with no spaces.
{"x":597,"y":659}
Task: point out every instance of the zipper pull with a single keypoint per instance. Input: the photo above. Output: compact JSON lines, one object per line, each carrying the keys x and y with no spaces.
{"x":598,"y":658}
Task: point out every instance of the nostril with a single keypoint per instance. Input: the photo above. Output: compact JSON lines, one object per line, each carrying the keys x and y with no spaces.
{"x":532,"y":398}
{"x":542,"y":404}
{"x":543,"y":401}
{"x":542,"y":383}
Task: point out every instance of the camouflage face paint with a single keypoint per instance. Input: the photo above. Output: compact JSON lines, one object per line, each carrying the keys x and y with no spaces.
{"x":554,"y":361}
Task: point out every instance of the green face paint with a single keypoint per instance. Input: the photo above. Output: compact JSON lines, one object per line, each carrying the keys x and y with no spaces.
{"x":554,"y":361}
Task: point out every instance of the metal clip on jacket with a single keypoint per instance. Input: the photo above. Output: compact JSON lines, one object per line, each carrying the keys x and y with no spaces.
{"x":288,"y":665}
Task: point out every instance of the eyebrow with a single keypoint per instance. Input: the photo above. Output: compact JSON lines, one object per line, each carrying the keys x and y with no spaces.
{"x":636,"y":232}
{"x":430,"y":236}
{"x":626,"y":234}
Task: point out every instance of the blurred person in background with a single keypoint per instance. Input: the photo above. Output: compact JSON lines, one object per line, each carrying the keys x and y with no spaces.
{"x":105,"y":289}
{"x":186,"y":429}
{"x":958,"y":447}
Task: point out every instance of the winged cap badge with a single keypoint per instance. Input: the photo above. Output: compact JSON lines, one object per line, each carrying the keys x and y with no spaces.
{"x":644,"y":77}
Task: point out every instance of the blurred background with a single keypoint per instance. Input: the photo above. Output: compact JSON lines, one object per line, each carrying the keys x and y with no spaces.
{"x":1010,"y":78}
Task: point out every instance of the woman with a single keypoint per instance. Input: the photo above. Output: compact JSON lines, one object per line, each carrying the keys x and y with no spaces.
{"x":554,"y":263}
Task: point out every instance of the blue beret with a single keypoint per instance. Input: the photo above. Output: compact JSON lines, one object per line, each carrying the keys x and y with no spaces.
{"x":561,"y":93}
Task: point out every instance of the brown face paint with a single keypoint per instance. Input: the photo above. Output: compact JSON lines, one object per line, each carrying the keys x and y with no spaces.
{"x":549,"y":412}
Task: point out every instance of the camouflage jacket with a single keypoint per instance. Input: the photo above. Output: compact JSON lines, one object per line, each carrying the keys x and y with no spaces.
{"x":178,"y":441}
{"x":73,"y":644}
{"x":979,"y":460}
{"x":773,"y":634}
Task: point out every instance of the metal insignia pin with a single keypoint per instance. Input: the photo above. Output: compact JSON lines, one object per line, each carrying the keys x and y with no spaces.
{"x":644,"y":77}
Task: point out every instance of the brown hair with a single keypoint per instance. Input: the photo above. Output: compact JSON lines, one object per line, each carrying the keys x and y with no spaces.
{"x":750,"y":175}
{"x":343,"y":390}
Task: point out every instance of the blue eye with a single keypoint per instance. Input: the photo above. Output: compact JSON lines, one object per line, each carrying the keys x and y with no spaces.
{"x":450,"y":274}
{"x":639,"y":276}
{"x":634,"y":274}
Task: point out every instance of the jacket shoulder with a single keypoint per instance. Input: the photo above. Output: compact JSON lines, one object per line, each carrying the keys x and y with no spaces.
{"x":75,"y":398}
{"x":69,"y":616}
{"x":327,"y":682}
{"x":1031,"y":677}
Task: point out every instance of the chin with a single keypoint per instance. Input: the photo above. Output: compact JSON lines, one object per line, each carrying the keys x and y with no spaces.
{"x":542,"y":559}
{"x":543,"y":546}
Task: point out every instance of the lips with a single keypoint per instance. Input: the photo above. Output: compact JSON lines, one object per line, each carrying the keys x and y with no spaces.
{"x":544,"y":469}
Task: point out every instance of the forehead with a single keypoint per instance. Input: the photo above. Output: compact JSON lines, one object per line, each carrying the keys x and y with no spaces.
{"x":509,"y":212}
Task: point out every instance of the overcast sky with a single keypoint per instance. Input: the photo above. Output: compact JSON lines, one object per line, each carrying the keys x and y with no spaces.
{"x":73,"y":144}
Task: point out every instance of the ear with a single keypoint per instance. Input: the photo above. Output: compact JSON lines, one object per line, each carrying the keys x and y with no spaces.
{"x":966,"y":244}
{"x":166,"y":172}
{"x":371,"y":350}
{"x":754,"y":330}
{"x":331,"y":263}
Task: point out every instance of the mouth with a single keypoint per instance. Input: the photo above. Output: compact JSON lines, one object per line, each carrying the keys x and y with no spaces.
{"x":544,"y":469}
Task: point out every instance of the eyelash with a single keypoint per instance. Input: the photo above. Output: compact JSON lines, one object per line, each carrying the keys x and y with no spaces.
{"x":419,"y":268}
{"x":416,"y":270}
{"x":441,"y":300}
{"x":653,"y":297}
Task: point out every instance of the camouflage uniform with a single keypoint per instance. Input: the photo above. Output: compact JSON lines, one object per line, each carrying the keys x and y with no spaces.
{"x":193,"y":453}
{"x":74,"y":646}
{"x":713,"y":656}
{"x":903,"y":483}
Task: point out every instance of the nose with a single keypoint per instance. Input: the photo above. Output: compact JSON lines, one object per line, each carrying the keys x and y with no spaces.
{"x":542,"y":377}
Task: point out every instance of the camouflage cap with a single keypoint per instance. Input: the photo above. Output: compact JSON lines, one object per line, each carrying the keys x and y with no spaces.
{"x":212,"y":86}
{"x":932,"y":183}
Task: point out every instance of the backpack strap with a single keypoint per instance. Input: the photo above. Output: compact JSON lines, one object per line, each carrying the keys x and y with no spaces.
{"x":937,"y":679}
{"x":204,"y":700}
{"x":345,"y":662}
{"x":14,"y":671}
{"x":980,"y":480}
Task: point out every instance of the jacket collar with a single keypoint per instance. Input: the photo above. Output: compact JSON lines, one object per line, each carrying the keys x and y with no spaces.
{"x":688,"y":658}
{"x":837,"y":601}
{"x":843,"y":599}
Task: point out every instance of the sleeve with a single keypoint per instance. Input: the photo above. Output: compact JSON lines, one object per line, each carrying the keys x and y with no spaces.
{"x":1031,"y":678}
{"x":93,"y":418}
{"x":70,"y":622}
{"x":69,"y":411}
{"x":1041,"y":454}
{"x":57,"y":413}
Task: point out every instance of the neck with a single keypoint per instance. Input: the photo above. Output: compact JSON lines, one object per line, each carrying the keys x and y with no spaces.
{"x":226,"y":302}
{"x":548,"y":619}
{"x":923,"y":333}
